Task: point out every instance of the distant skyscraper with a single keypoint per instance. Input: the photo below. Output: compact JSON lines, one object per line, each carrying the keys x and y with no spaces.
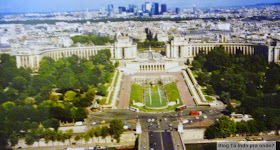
{"x":155,"y":9}
{"x":144,"y":8}
{"x":194,"y":9}
{"x":178,"y":11}
{"x":148,"y":6}
{"x":122,"y":9}
{"x":130,"y":8}
{"x":110,"y":9}
{"x":135,"y":9}
{"x":163,"y":8}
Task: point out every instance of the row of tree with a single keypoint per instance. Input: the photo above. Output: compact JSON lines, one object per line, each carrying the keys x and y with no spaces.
{"x":28,"y":99}
{"x":225,"y":127}
{"x":115,"y":130}
{"x":151,"y":40}
{"x":96,"y":40}
{"x":249,"y":79}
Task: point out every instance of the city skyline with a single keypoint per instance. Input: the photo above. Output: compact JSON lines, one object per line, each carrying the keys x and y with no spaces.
{"x":29,"y":6}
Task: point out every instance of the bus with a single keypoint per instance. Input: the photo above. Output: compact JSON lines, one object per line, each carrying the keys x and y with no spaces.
{"x":179,"y":108}
{"x":133,"y":109}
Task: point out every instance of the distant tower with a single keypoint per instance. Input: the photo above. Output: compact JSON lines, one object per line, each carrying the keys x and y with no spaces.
{"x":155,"y":9}
{"x":178,"y":11}
{"x":163,"y":8}
{"x":194,"y":9}
{"x":148,"y":7}
{"x":110,"y":9}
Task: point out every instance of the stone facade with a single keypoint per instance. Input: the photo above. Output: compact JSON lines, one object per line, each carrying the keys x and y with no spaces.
{"x":180,"y":47}
{"x":122,"y":49}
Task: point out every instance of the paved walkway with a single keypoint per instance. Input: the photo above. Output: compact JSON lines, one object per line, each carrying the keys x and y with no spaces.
{"x":125,"y":93}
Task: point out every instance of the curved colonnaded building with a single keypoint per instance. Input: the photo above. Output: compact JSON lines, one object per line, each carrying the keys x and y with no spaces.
{"x":124,"y":49}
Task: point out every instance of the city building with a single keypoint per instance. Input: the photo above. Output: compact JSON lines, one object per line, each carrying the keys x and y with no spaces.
{"x":163,"y":8}
{"x":177,"y":11}
{"x":155,"y":9}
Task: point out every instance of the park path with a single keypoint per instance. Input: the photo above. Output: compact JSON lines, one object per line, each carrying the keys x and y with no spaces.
{"x":125,"y":93}
{"x":183,"y":90}
{"x":181,"y":85}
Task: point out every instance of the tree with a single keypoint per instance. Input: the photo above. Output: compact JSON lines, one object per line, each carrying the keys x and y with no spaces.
{"x":212,"y":132}
{"x":8,"y":105}
{"x":209,"y":90}
{"x":203,"y":78}
{"x":19,"y":83}
{"x":68,"y":134}
{"x":91,"y":93}
{"x":37,"y":134}
{"x":101,"y":90}
{"x":242,"y":127}
{"x":225,"y":97}
{"x":116,"y":129}
{"x":226,"y":126}
{"x":91,"y":133}
{"x":29,"y":101}
{"x":79,"y":137}
{"x":97,"y":132}
{"x":60,"y":136}
{"x":196,"y":65}
{"x":104,"y":132}
{"x":86,"y":137}
{"x":80,"y":114}
{"x":48,"y":135}
{"x":29,"y":140}
{"x":70,"y":96}
{"x":8,"y":69}
{"x":14,"y":139}
{"x":51,"y":123}
{"x":53,"y":97}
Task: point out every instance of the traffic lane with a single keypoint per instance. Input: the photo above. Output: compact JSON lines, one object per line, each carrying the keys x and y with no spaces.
{"x":167,"y":140}
{"x":155,"y":140}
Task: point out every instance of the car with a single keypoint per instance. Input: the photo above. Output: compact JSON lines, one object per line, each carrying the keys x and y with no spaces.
{"x":170,"y":125}
{"x":204,"y":116}
{"x":79,"y":123}
{"x":93,"y":123}
{"x":165,"y":119}
{"x":103,"y":121}
{"x":158,"y":126}
{"x":196,"y":118}
{"x":185,"y":121}
{"x":125,"y":127}
{"x":152,"y":120}
{"x":149,"y":120}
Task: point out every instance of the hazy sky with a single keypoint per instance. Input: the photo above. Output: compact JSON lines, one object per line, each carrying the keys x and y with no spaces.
{"x":71,"y":5}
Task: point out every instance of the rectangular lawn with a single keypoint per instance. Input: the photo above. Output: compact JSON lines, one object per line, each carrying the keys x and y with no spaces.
{"x":136,"y":93}
{"x":172,"y":92}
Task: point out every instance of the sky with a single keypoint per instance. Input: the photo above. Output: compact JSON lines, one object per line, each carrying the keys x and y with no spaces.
{"x":25,"y":6}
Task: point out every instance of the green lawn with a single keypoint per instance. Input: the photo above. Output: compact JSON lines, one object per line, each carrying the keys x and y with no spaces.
{"x":156,"y":98}
{"x":172,"y":92}
{"x":209,"y":99}
{"x":235,"y":101}
{"x":155,"y":49}
{"x":136,"y":93}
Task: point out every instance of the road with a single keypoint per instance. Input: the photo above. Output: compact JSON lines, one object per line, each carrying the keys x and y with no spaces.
{"x":161,"y":120}
{"x":160,"y":141}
